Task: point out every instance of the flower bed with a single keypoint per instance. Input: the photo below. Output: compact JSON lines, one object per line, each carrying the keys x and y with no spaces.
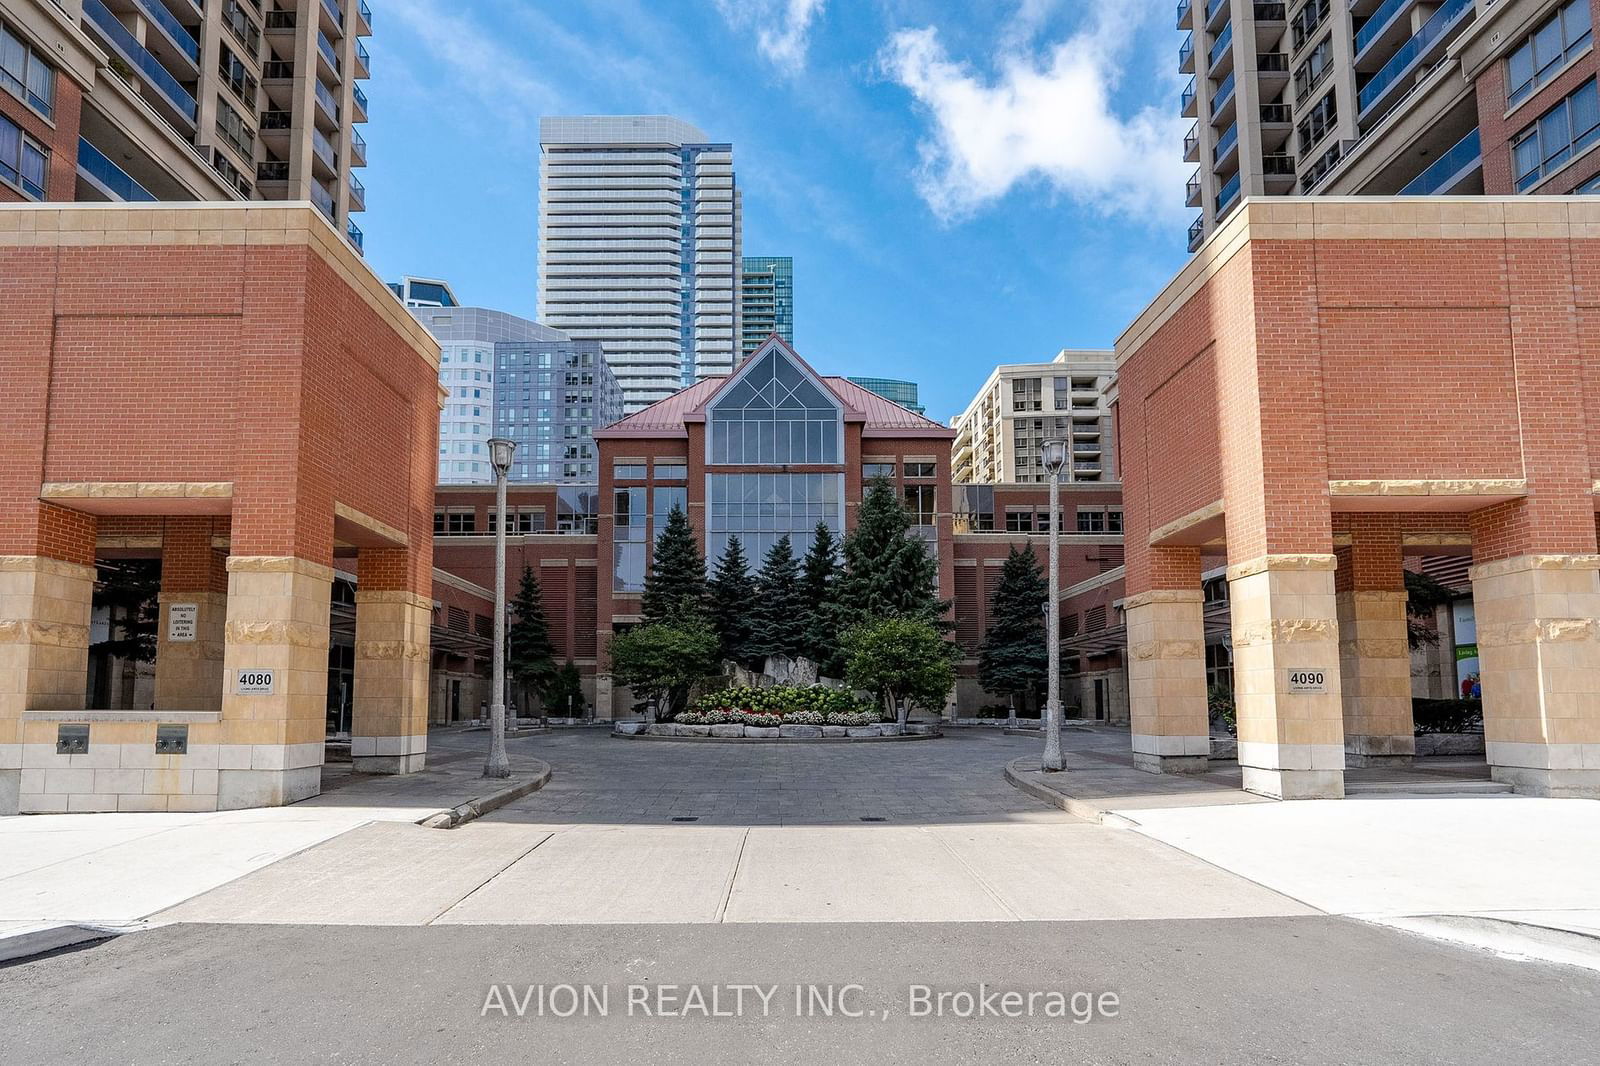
{"x":780,"y":705}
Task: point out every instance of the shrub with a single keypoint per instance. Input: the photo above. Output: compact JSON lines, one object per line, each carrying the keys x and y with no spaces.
{"x":1447,"y":716}
{"x":783,"y":702}
{"x":1219,"y":702}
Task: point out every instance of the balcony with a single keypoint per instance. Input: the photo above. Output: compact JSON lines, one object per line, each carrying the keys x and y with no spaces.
{"x":353,"y":231}
{"x":1226,"y":145}
{"x":1184,"y":10}
{"x":175,"y":31}
{"x":281,"y":21}
{"x":332,"y":17}
{"x":1186,"y":54}
{"x":1396,"y":77}
{"x":1191,"y":144}
{"x":323,"y":199}
{"x":358,"y":194}
{"x":1228,"y":195}
{"x":1271,"y":14}
{"x":360,"y":99}
{"x":1275,"y":126}
{"x":1186,"y":101}
{"x":328,"y":54}
{"x":106,"y":177}
{"x":272,"y":170}
{"x":1384,"y":24}
{"x":323,"y":149}
{"x":1277,"y":170}
{"x":1449,"y":170}
{"x":172,"y":99}
{"x":358,"y":149}
{"x":1222,"y":101}
{"x":1220,"y":59}
{"x":363,"y":61}
{"x":366,"y":17}
{"x":1197,"y":233}
{"x":1216,"y":11}
{"x":277,"y":70}
{"x":1193,"y":189}
{"x":275,"y":121}
{"x":326,"y":101}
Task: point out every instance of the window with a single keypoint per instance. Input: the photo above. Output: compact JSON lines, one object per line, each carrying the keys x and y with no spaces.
{"x":671,"y":472}
{"x":664,"y":500}
{"x":628,"y":537}
{"x":919,"y":470}
{"x":628,"y":471}
{"x":1318,"y":121}
{"x":1026,"y":394}
{"x":1113,"y":521}
{"x":1316,"y":66}
{"x":1557,"y":136}
{"x":23,"y":161}
{"x":761,"y":508}
{"x":460,"y":521}
{"x":1019,"y":521}
{"x":773,"y":414}
{"x":1547,"y":50}
{"x":577,"y":509}
{"x":25,"y":74}
{"x":974,"y":508}
{"x":919,"y":504}
{"x":1063,"y":393}
{"x":875,"y":470}
{"x":1091,"y":521}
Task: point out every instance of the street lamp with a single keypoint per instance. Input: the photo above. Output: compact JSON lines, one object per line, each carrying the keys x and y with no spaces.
{"x":1054,"y":454}
{"x":500,"y":452}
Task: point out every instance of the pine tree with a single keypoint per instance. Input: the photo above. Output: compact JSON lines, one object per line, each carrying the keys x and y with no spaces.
{"x":732,"y":599}
{"x":888,"y":573}
{"x":819,"y":577}
{"x":777,"y":625}
{"x":530,"y":658}
{"x":675,"y":588}
{"x":564,"y":697}
{"x":1013,"y":659}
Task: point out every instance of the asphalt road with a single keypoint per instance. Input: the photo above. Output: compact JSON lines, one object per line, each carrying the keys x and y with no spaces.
{"x":1260,"y":990}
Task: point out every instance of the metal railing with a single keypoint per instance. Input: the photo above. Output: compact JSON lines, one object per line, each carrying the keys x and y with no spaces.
{"x":323,"y":199}
{"x":1188,"y":96}
{"x":333,"y":10}
{"x":324,"y":148}
{"x":276,"y":69}
{"x":325,"y":46}
{"x":176,"y":30}
{"x":358,"y":146}
{"x":325,"y":95}
{"x":358,"y":191}
{"x":1228,"y":194}
{"x":145,"y":63}
{"x":1225,"y":143}
{"x":1278,"y":164}
{"x":353,"y":231}
{"x":272,"y":170}
{"x":1223,"y":42}
{"x":1277,"y":113}
{"x":1387,"y":12}
{"x":1407,"y":56}
{"x":1224,"y":90}
{"x":360,"y":97}
{"x":1186,"y":50}
{"x":1467,"y":151}
{"x":366,"y":12}
{"x":1184,"y":8}
{"x":1197,"y":232}
{"x":113,"y":179}
{"x":277,"y":120}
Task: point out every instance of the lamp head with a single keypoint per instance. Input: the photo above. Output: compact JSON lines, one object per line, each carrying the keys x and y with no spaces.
{"x":1054,"y":455}
{"x":500,"y":452}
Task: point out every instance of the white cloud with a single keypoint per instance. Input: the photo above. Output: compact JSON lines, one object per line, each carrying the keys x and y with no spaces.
{"x":498,"y":75}
{"x":782,"y":27}
{"x":1049,"y":118}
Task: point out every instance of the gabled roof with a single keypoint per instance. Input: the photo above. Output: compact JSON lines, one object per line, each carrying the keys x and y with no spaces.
{"x":880,"y":417}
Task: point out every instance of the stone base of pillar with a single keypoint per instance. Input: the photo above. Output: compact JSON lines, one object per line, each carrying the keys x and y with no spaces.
{"x":1294,"y":784}
{"x":10,"y":791}
{"x":1171,"y":755}
{"x":388,"y":755}
{"x":1380,"y":751}
{"x":240,"y":789}
{"x":1555,"y":784}
{"x":1561,"y":771}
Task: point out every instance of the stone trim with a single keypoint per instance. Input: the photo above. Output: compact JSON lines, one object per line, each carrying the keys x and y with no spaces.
{"x":410,"y":599}
{"x":136,"y":490}
{"x":1194,"y":595}
{"x":279,"y":564}
{"x":44,"y":564}
{"x":1265,"y":563}
{"x":1264,"y":755}
{"x":440,"y":577}
{"x":1110,"y":577}
{"x":1431,"y":487}
{"x":1193,"y":518}
{"x":292,"y":634}
{"x":370,"y":524}
{"x":44,"y":634}
{"x":391,"y":650}
{"x":1518,"y":563}
{"x":1544,"y":756}
{"x":362,"y":747}
{"x":1436,"y":540}
{"x":1542,"y":631}
{"x":1155,"y":744}
{"x":170,"y":717}
{"x":1284,"y":631}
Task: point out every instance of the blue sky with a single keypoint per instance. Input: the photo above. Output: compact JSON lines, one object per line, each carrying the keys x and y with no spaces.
{"x":960,"y":183}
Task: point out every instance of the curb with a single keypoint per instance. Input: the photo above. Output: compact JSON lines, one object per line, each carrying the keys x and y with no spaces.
{"x":53,"y":936}
{"x":1520,"y":940}
{"x":480,"y":805}
{"x":1084,"y":809}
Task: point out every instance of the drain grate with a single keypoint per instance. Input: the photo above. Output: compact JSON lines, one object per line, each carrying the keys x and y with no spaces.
{"x":872,"y":818}
{"x":686,"y":818}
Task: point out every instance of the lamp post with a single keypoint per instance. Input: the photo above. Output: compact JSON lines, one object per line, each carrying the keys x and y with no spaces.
{"x":1054,"y":454}
{"x":500,"y":452}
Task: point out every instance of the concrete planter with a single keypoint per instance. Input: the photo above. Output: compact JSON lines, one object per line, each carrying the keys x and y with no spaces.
{"x":1450,"y":744}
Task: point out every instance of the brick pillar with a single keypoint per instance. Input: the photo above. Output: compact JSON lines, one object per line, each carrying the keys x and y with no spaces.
{"x":194,"y":582}
{"x":389,"y":712}
{"x":45,"y":601}
{"x":1167,"y":667}
{"x":1286,"y":676}
{"x":272,"y":741}
{"x":1374,"y":656}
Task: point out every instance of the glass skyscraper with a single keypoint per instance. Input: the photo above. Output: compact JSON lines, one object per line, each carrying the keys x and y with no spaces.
{"x":766,"y":297}
{"x":550,"y":396}
{"x":903,"y":393}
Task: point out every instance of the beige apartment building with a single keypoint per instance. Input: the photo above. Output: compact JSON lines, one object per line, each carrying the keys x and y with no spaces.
{"x":178,"y":100}
{"x":1021,"y":405}
{"x":1385,"y":98}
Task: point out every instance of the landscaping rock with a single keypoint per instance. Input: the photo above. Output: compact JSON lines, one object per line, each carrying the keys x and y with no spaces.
{"x":800,"y":732}
{"x":629,"y":729}
{"x":921,"y":729}
{"x":727,"y":730}
{"x":835,"y":731}
{"x":661,"y":729}
{"x":691,"y":731}
{"x":865,"y":730}
{"x":761,"y":732}
{"x":890,"y":729}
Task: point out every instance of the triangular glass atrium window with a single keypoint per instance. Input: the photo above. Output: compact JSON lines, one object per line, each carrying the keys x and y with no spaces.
{"x":775,"y":415}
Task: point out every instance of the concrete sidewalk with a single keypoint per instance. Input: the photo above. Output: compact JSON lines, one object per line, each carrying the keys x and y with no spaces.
{"x":70,"y":877}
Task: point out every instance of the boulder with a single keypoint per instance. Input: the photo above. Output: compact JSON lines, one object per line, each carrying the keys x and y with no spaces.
{"x":661,"y":729}
{"x":629,"y":729}
{"x":761,"y":732}
{"x":691,"y":731}
{"x":727,"y":730}
{"x":800,"y":732}
{"x":922,"y":729}
{"x":890,"y":729}
{"x":866,"y":731}
{"x":835,"y":731}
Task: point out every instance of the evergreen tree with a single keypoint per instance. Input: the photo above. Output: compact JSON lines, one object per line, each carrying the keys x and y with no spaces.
{"x":732,"y":599}
{"x":819,"y":577}
{"x":888,"y":573}
{"x":675,"y":588}
{"x":530,"y":658}
{"x":564,"y":697}
{"x":1013,"y":660}
{"x":778,"y":625}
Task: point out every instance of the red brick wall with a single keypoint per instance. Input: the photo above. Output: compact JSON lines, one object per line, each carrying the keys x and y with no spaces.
{"x":60,"y":135}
